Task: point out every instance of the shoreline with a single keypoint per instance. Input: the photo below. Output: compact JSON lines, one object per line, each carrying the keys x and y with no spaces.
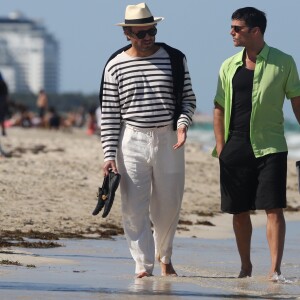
{"x":19,"y":248}
{"x":207,"y":268}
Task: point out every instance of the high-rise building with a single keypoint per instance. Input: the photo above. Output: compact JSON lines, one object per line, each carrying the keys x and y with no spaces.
{"x":29,"y":55}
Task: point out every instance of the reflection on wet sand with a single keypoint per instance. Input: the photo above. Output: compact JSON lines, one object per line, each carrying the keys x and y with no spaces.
{"x":103,"y":269}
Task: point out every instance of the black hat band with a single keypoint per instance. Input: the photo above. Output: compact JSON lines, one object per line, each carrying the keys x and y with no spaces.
{"x":139,"y":21}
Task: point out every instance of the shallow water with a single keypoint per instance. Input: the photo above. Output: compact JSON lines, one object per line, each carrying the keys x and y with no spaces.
{"x":103,"y":269}
{"x":203,"y":133}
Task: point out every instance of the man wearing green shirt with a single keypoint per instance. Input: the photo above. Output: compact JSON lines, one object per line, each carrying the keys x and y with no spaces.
{"x":249,"y":132}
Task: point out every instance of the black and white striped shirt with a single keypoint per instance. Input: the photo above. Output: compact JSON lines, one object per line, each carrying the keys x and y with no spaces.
{"x":139,"y":91}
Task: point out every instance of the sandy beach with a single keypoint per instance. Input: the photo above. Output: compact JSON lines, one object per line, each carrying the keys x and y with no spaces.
{"x":49,"y":185}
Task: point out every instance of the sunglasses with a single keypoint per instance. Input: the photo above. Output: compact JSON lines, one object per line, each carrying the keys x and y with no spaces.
{"x":237,"y":28}
{"x":141,"y":34}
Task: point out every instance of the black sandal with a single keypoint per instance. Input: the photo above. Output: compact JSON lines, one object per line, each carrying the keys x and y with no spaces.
{"x":106,"y":193}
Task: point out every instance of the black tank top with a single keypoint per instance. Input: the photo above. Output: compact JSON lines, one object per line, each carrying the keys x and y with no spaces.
{"x":242,"y":84}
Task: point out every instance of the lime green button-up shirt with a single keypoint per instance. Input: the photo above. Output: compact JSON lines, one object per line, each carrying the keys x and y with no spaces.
{"x":275,"y":77}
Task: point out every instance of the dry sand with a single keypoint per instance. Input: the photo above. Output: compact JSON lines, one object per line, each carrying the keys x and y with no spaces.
{"x":50,"y":184}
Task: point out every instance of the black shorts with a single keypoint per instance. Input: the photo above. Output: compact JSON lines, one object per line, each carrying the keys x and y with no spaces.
{"x":247,"y":182}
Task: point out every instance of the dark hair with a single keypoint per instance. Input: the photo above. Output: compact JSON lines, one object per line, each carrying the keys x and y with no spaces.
{"x":252,"y":17}
{"x":127,"y":31}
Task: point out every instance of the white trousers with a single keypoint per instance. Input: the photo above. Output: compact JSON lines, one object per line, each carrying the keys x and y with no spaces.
{"x":152,"y":185}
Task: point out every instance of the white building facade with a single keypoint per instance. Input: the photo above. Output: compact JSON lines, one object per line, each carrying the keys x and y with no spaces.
{"x":29,"y":55}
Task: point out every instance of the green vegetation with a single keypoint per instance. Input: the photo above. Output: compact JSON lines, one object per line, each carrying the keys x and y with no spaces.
{"x":14,"y":263}
{"x":9,"y":262}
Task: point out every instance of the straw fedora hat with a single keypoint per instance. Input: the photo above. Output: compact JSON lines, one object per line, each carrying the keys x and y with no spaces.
{"x":139,"y":15}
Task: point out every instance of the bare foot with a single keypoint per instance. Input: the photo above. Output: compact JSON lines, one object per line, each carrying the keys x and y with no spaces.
{"x":167,"y":269}
{"x":245,"y":273}
{"x":143,"y":274}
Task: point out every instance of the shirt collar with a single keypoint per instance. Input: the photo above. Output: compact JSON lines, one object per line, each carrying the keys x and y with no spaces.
{"x":262,"y":54}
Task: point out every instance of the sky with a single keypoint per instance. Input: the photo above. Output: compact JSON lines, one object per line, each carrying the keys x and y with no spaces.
{"x":87,"y":35}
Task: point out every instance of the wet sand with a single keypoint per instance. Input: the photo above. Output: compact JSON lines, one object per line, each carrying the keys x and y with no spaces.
{"x":102,"y":269}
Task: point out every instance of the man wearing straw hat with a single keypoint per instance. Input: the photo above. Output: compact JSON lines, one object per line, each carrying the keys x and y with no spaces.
{"x":147,"y":106}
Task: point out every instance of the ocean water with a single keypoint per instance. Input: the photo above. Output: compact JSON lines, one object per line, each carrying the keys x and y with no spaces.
{"x":202,"y":133}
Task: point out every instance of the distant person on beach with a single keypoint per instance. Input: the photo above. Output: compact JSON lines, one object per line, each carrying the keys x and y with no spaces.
{"x":92,"y":120}
{"x":145,"y":116}
{"x":42,"y":104}
{"x":53,"y":118}
{"x":3,"y":104}
{"x":249,"y":132}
